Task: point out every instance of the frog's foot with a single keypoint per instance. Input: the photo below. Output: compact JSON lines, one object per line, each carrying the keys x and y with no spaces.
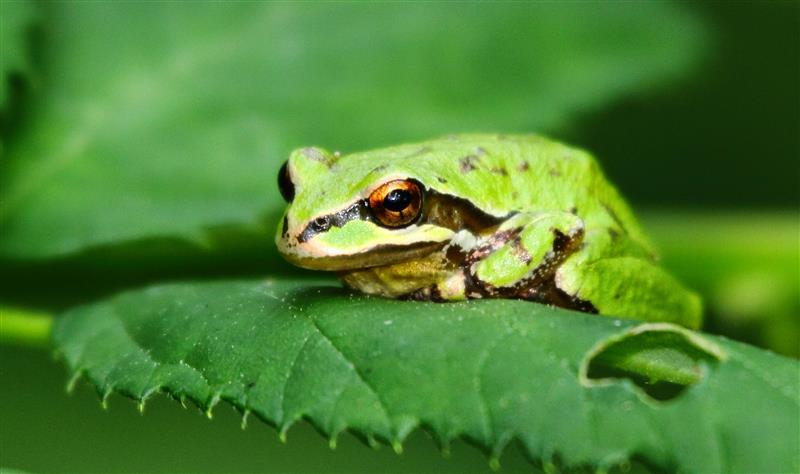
{"x":413,"y":279}
{"x":520,"y":260}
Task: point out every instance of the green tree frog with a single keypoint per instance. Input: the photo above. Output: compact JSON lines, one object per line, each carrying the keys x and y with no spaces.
{"x":476,"y":216}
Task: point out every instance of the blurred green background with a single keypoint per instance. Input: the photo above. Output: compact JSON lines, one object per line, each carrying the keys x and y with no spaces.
{"x":140,"y":143}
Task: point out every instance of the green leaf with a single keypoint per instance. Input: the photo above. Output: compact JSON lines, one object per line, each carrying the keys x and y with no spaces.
{"x":16,"y":18}
{"x":170,"y":120}
{"x":489,"y":371}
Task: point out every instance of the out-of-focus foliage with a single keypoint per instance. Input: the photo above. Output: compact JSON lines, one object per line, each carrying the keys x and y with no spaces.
{"x":727,"y":137}
{"x":16,"y":19}
{"x":167,"y":121}
{"x":747,"y":266}
{"x":491,"y":371}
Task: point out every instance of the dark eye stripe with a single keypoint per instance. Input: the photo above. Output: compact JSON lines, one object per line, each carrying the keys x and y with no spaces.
{"x":359,"y":210}
{"x":396,"y":201}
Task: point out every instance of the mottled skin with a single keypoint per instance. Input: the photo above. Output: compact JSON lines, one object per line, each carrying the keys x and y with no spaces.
{"x":503,"y":216}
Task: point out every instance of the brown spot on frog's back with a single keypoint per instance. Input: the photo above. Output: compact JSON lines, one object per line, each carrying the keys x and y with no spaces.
{"x":418,"y":152}
{"x":468,"y":163}
{"x":524,"y":166}
{"x":614,"y":216}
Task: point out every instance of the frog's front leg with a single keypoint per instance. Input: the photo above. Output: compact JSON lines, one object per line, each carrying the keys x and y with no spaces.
{"x":520,"y":258}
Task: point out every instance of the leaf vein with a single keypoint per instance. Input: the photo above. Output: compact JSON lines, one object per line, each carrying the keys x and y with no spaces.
{"x":355,"y":369}
{"x":289,"y":376}
{"x":483,"y":404}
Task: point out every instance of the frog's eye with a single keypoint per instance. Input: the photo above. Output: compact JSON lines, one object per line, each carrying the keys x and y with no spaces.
{"x":396,"y":203}
{"x":285,"y":183}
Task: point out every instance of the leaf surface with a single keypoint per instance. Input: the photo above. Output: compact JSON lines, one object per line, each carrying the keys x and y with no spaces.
{"x":489,"y":371}
{"x":170,"y":121}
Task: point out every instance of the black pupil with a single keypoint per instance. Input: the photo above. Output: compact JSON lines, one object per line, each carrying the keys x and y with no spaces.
{"x":397,"y":200}
{"x":285,"y":183}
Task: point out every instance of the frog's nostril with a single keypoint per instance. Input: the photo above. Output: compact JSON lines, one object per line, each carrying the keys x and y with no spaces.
{"x":321,"y":224}
{"x":318,"y":225}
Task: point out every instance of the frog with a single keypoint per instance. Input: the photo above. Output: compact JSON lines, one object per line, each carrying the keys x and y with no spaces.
{"x":472,"y":216}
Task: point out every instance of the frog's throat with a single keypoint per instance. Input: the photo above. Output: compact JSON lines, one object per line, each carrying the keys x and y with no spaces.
{"x":401,"y":278}
{"x":377,"y":256}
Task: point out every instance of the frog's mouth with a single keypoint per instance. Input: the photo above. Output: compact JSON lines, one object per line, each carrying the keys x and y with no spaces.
{"x":385,"y":254}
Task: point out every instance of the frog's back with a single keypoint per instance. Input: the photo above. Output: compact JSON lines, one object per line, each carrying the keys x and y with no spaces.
{"x":510,"y":173}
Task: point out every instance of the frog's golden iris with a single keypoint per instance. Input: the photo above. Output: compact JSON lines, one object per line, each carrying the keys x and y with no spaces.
{"x":397,"y":203}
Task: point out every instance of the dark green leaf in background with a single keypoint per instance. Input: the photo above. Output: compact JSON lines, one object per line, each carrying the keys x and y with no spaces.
{"x":745,"y":266}
{"x":489,"y":371}
{"x":156,"y":120}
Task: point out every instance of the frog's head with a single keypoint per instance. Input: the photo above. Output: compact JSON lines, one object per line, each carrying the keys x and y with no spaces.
{"x":353,"y":212}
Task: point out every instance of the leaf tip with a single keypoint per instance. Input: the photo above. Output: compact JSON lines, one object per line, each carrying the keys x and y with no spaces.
{"x":397,"y":446}
{"x":372,"y":442}
{"x":444,"y":449}
{"x":212,"y":402}
{"x":245,"y":415}
{"x":282,"y":433}
{"x":494,"y":463}
{"x":73,"y":381}
{"x":105,"y":396}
